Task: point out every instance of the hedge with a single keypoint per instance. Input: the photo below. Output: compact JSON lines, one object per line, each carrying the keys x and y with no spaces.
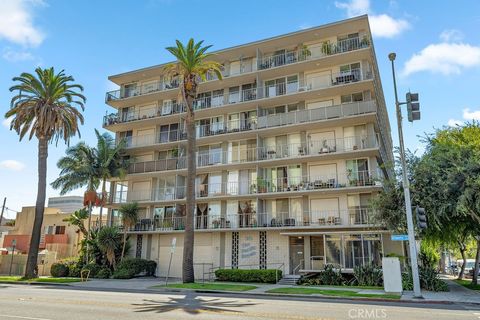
{"x":59,"y":270}
{"x":243,"y":275}
{"x":131,"y":267}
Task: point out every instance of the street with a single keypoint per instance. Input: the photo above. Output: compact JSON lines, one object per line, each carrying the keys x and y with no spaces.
{"x":49,"y":303}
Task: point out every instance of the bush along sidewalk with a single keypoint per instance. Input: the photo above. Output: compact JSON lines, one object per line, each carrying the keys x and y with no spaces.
{"x":254,"y":276}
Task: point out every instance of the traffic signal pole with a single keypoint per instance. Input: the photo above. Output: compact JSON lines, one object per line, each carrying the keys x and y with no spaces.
{"x":406,"y":189}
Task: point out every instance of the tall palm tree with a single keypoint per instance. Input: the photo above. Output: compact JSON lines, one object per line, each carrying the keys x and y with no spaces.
{"x":108,"y":240}
{"x":129,"y":213}
{"x":77,"y":219}
{"x":110,"y":163}
{"x":46,"y":106}
{"x":192,"y":65}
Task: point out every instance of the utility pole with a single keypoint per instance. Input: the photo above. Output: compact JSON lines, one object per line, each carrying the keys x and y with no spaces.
{"x":417,"y":293}
{"x":3,"y":209}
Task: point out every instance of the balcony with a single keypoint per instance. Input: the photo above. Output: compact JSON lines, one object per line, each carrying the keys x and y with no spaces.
{"x":312,"y":53}
{"x":358,"y":216}
{"x":262,"y":122}
{"x":151,"y":87}
{"x":313,"y":148}
{"x":279,"y":89}
{"x":262,"y":187}
{"x":147,"y":113}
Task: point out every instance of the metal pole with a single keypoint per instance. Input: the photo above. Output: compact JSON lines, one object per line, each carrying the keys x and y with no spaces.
{"x":11,"y":260}
{"x":3,"y":209}
{"x":417,"y":293}
{"x":168,"y":271}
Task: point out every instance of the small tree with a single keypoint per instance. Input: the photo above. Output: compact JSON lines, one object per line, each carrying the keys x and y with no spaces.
{"x":129,"y":214}
{"x":109,"y":239}
{"x":77,"y":219}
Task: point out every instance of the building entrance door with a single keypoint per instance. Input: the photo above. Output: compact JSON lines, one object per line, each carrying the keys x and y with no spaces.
{"x":297,"y":254}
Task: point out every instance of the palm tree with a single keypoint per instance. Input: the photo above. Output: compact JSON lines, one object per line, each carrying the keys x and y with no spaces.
{"x":108,"y":240}
{"x":78,"y":169}
{"x":192,"y":65}
{"x":110,"y":163}
{"x":46,"y":106}
{"x":77,"y":218}
{"x":129,"y":213}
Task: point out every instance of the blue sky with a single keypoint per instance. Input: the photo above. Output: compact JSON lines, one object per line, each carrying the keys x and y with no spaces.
{"x":438,"y":55}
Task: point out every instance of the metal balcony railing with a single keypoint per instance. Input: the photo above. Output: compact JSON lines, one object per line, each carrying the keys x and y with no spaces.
{"x":312,"y":218}
{"x":261,"y":186}
{"x":312,"y":52}
{"x":209,"y":158}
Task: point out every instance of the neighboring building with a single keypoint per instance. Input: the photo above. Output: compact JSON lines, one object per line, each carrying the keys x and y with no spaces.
{"x":66,"y":203}
{"x":291,"y":146}
{"x":57,"y":235}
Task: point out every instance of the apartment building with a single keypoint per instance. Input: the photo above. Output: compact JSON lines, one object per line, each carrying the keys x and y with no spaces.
{"x":291,"y":146}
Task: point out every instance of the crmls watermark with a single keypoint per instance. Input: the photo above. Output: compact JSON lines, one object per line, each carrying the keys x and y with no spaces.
{"x":365,"y":313}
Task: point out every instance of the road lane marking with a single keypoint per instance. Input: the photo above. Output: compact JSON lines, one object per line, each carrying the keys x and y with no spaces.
{"x":20,"y":317}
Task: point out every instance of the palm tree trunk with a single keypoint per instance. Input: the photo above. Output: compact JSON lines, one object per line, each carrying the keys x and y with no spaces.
{"x":103,"y":199}
{"x":188,"y":275}
{"x":124,"y":242}
{"x":31,"y":270}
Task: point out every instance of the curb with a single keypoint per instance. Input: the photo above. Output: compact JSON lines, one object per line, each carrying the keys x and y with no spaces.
{"x":34,"y":283}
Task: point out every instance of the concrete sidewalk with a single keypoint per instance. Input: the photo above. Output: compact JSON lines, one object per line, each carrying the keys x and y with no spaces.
{"x":457,"y":293}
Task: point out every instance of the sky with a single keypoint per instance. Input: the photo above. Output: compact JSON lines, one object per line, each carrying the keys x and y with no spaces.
{"x":436,"y":42}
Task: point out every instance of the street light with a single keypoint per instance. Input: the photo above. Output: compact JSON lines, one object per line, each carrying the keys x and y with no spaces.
{"x":14,"y":243}
{"x":417,"y":293}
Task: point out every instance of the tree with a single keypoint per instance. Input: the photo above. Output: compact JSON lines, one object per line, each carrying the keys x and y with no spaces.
{"x":46,"y":106}
{"x":77,"y":219}
{"x":78,"y":169}
{"x":108,"y":240}
{"x":85,"y":166}
{"x":129,"y":213}
{"x":192,"y":65}
{"x":110,"y":163}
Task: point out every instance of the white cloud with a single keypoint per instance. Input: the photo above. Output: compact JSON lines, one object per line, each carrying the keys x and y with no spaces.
{"x":451,"y":35}
{"x":13,"y":165}
{"x":455,"y":122}
{"x":15,"y":56}
{"x":16,"y":22}
{"x":382,"y":25}
{"x":6,"y":122}
{"x":445,"y":58}
{"x":471,"y":115}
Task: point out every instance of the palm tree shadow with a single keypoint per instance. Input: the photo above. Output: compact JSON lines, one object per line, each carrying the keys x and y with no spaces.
{"x":191,"y":304}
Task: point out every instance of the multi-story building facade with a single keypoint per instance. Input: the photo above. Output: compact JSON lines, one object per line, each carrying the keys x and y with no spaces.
{"x":291,"y":147}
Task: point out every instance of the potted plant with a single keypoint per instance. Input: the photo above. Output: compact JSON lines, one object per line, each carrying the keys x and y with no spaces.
{"x":326,"y":48}
{"x":216,"y":224}
{"x":261,"y":185}
{"x":305,"y":53}
{"x":364,"y":42}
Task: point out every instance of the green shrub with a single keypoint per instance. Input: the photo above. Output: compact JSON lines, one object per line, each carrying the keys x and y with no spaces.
{"x":104,"y":273}
{"x":368,"y":275}
{"x":150,"y":268}
{"x":242,"y":275}
{"x":137,"y":266}
{"x":94,"y":269}
{"x":123,"y":274}
{"x":328,"y":277}
{"x":429,"y":280}
{"x":428,"y":256}
{"x":59,"y":269}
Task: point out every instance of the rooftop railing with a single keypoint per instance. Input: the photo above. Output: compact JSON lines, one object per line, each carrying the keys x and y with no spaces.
{"x":270,"y":61}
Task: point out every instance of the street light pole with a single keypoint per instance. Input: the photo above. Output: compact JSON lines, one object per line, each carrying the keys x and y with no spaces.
{"x":417,"y":293}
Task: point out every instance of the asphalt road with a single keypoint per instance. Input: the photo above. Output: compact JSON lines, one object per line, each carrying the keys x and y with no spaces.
{"x":47,"y":303}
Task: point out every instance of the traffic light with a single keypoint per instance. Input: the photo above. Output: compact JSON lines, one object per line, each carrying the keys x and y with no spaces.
{"x":413,"y":107}
{"x":421,"y":218}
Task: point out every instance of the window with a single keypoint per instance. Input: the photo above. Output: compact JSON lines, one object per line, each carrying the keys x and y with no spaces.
{"x":357,"y":171}
{"x":233,"y":94}
{"x":60,"y":230}
{"x":354,"y":97}
{"x":333,"y":249}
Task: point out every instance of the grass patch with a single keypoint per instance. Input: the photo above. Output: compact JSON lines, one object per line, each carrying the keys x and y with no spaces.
{"x":345,"y":287}
{"x":42,"y":280}
{"x":333,"y":293}
{"x":209,"y":286}
{"x":468,"y":284}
